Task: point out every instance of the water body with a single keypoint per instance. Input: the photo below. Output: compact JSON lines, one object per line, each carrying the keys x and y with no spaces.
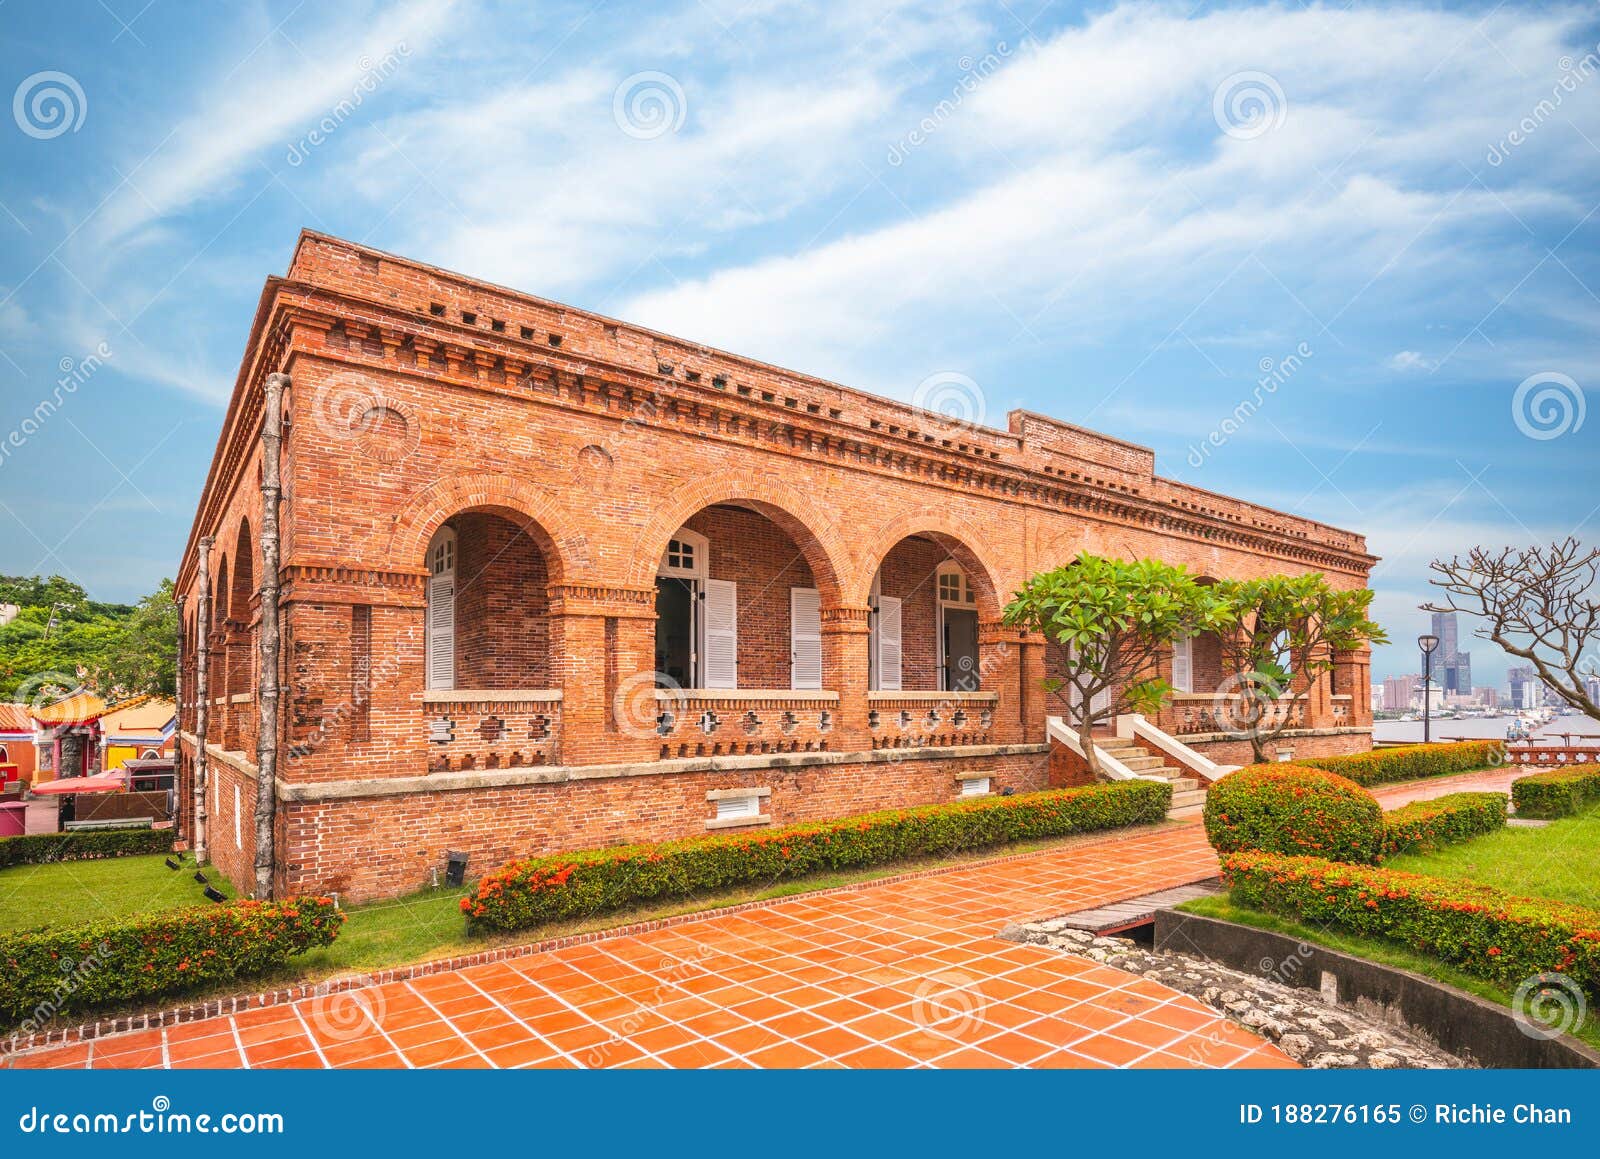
{"x":1488,"y":728}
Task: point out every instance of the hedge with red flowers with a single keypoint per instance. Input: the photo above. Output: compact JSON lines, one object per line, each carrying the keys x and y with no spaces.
{"x":1556,"y":793}
{"x":1409,"y":762}
{"x":1284,"y":808}
{"x":1483,"y":930}
{"x":1426,"y":825}
{"x":50,"y":971}
{"x":544,"y":889}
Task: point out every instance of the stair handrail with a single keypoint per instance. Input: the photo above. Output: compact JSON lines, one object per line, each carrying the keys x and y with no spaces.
{"x":1059,"y":730}
{"x":1135,"y":726}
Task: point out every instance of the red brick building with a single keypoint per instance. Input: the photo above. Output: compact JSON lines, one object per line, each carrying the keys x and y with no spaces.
{"x":551,"y":581}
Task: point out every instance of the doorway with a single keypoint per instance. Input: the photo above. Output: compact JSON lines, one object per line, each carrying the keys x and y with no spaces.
{"x":960,"y":650}
{"x":675,"y":631}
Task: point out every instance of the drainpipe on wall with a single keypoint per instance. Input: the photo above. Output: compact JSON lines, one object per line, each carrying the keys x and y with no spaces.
{"x":180,"y":602}
{"x":202,"y":691}
{"x":267,"y":682}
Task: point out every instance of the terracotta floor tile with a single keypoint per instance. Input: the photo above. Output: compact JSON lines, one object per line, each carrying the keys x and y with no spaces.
{"x":694,"y":1055}
{"x":748,"y":1039}
{"x":517,"y":1054}
{"x":784,"y":1056}
{"x":305,"y":1061}
{"x":1109,"y":1050}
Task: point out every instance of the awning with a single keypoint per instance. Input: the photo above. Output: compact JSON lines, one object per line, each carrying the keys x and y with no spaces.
{"x":101,"y":784}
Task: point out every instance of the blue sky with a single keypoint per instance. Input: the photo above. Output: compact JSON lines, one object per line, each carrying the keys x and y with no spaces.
{"x":1114,"y":214}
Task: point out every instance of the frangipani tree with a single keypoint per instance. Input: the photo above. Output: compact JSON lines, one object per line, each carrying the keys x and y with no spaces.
{"x":1114,"y":620}
{"x":1285,"y":632}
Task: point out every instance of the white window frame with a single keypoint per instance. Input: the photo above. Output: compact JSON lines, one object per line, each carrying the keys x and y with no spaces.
{"x":805,"y":630}
{"x":443,"y":556}
{"x":1183,"y":664}
{"x":699,"y":567}
{"x":965,"y":600}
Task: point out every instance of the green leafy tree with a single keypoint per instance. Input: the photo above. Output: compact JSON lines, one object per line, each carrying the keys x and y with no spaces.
{"x":1286,"y":630}
{"x":143,"y":655}
{"x":60,"y":639}
{"x":1114,"y":619}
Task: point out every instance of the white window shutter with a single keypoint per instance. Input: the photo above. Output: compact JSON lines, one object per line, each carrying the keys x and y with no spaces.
{"x":442,"y":631}
{"x":721,"y":599}
{"x":889,"y":643}
{"x":805,"y":638}
{"x":1183,"y":664}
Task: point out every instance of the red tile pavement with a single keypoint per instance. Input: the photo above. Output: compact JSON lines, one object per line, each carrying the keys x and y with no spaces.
{"x":901,"y":974}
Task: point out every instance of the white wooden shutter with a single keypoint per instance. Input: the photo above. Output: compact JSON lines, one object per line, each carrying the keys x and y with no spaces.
{"x":805,"y":638}
{"x":442,"y":630}
{"x":889,"y":643}
{"x":1183,"y":664}
{"x":721,"y":619}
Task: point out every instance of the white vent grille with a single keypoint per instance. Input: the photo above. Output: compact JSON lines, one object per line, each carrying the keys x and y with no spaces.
{"x":733,"y":808}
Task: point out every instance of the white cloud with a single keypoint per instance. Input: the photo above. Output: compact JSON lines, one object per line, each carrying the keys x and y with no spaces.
{"x":1405,"y":360}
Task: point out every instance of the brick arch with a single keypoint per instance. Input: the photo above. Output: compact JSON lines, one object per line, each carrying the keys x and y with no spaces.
{"x":963,"y":541}
{"x":220,"y":587}
{"x":811,"y":529}
{"x":242,"y":587}
{"x":564,"y":548}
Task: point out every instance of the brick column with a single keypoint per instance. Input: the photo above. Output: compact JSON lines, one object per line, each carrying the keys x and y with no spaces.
{"x":1317,"y":707}
{"x":602,"y":657}
{"x":846,"y":637}
{"x":1002,"y":669}
{"x":1352,"y":673}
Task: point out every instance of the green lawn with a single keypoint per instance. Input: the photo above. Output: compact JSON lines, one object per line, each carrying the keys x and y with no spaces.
{"x":1557,"y":861}
{"x":72,"y":892}
{"x":1381,"y":950}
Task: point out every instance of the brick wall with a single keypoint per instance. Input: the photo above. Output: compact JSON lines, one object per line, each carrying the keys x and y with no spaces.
{"x":404,"y":838}
{"x":749,"y":549}
{"x":502,"y":606}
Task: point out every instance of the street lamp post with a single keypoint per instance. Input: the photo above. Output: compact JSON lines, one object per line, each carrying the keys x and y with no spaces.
{"x":1429,"y":644}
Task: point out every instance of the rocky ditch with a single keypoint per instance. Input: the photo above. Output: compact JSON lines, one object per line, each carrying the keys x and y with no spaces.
{"x":1308,"y":1029}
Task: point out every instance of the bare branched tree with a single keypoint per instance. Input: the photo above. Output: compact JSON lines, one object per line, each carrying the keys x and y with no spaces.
{"x":1539,"y":604}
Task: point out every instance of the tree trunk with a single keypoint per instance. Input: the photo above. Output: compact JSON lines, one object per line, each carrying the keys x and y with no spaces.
{"x":1085,"y":724}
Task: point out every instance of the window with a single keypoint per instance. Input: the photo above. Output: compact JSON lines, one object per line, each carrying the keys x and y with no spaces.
{"x":953,"y":585}
{"x":685,"y":556}
{"x":1183,"y":664}
{"x":974,"y":786}
{"x":440,"y":624}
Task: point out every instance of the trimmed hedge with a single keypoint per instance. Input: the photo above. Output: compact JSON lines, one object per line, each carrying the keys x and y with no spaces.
{"x":1382,"y":766}
{"x":83,"y":845}
{"x":1556,"y":793}
{"x":544,"y":889}
{"x":50,"y":971}
{"x":1285,"y":808}
{"x":1484,"y":930}
{"x":1423,"y":826}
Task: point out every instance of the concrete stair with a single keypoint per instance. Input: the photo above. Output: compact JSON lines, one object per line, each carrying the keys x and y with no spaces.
{"x":1187,"y":795}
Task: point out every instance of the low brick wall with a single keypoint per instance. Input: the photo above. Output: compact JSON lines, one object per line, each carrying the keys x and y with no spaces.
{"x":1318,"y":743}
{"x":381,"y":846}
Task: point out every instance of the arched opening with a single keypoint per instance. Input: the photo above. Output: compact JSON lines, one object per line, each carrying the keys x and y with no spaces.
{"x":738,"y":604}
{"x":926,"y":600}
{"x":219,"y":597}
{"x":243,"y":590}
{"x":488,"y":596}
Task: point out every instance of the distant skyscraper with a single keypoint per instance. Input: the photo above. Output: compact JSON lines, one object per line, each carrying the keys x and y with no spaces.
{"x":1452,"y":667}
{"x":1399,"y":692}
{"x":1527,"y":690}
{"x":1591,"y":686}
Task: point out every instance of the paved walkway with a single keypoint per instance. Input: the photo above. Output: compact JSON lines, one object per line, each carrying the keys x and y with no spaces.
{"x":902,"y":974}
